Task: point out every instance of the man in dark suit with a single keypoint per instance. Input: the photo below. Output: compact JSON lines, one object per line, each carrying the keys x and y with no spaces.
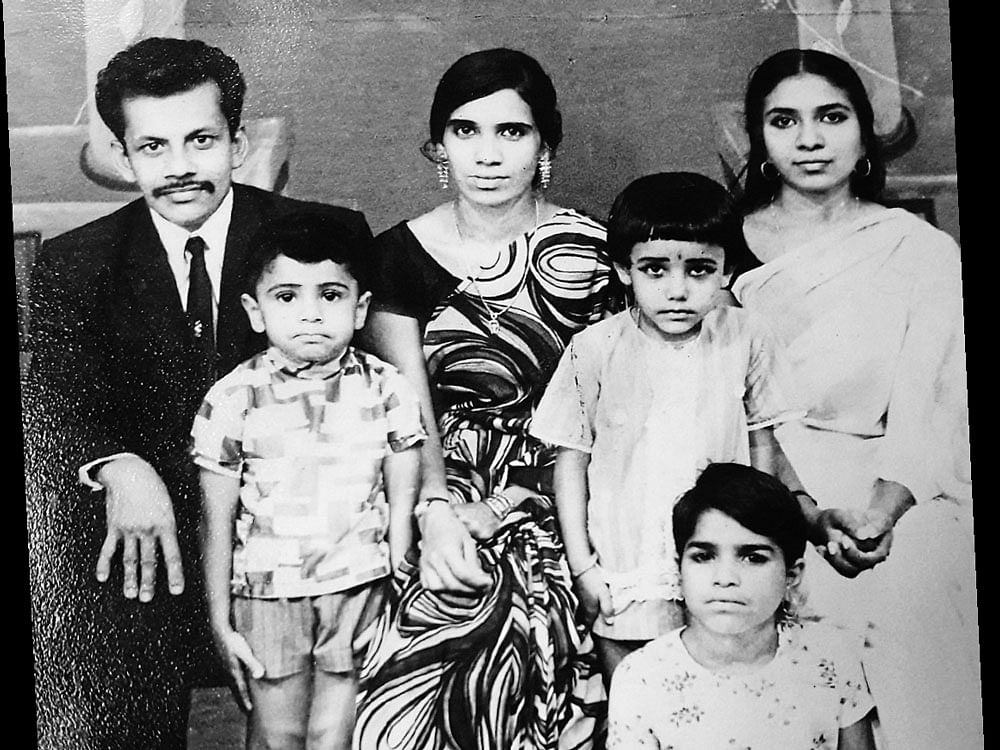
{"x":133,"y":316}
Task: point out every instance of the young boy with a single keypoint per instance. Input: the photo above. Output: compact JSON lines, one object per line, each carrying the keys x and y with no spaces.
{"x":642,"y":401}
{"x":296,"y":446}
{"x":744,"y":672}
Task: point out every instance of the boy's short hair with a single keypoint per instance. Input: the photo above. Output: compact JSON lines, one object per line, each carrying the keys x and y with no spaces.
{"x":162,"y":66}
{"x":754,"y":499}
{"x":309,"y":236}
{"x":682,"y":206}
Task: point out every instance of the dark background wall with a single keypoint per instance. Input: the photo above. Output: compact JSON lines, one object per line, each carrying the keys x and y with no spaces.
{"x":637,"y":83}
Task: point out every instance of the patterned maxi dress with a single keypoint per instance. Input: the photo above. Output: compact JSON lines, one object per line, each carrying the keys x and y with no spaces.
{"x":510,"y":668}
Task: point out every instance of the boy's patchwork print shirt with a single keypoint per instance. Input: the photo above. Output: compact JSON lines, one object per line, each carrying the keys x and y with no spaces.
{"x":307,"y":445}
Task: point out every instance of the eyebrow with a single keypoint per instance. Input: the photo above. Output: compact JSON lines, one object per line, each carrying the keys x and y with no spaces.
{"x":207,"y":129}
{"x":688,"y":261}
{"x":747,"y":548}
{"x":700,"y":545}
{"x":743,"y":549}
{"x":500,"y":125}
{"x":822,"y":108}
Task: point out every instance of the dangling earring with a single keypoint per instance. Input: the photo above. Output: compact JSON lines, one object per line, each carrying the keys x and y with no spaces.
{"x":765,"y":174}
{"x":788,"y":610}
{"x":544,"y":171}
{"x":868,"y":167}
{"x":442,"y":170}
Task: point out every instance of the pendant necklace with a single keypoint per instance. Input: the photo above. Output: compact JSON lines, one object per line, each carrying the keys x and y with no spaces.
{"x":493,"y":324}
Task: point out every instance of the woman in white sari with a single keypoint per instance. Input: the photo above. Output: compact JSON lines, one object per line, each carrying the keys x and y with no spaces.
{"x":867,"y":302}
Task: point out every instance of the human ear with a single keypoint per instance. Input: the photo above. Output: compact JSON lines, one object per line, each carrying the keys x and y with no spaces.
{"x":793,"y":574}
{"x":240,"y":147}
{"x":622,"y":272}
{"x":361,"y":311}
{"x":252,"y":308}
{"x":121,"y":161}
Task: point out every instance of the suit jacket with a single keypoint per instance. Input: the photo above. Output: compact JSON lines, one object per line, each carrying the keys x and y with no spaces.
{"x":115,"y":368}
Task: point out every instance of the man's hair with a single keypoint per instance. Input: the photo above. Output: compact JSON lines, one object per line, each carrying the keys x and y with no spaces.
{"x":683,"y":206}
{"x":162,"y":66}
{"x":308,"y":236}
{"x":754,"y":499}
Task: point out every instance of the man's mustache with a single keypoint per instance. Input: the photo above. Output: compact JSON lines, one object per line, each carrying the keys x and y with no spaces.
{"x":205,"y":185}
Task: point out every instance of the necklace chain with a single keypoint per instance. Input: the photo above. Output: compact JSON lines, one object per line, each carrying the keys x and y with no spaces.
{"x":493,"y":324}
{"x":838,"y":213}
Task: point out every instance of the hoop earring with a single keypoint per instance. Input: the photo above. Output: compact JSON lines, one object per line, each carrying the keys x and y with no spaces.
{"x":544,"y":171}
{"x":765,"y":174}
{"x":868,"y":167}
{"x":442,"y":170}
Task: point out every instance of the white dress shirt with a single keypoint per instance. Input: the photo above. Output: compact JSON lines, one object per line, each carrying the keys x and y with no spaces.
{"x":214,"y":232}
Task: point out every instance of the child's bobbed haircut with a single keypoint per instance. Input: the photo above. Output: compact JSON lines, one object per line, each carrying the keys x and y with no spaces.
{"x":309,"y":236}
{"x":754,"y":499}
{"x":682,"y":206}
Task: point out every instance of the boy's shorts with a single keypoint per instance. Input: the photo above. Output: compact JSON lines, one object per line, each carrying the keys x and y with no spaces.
{"x":323,"y":632}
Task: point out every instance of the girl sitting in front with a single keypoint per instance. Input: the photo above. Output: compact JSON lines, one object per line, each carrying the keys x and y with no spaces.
{"x":642,"y":401}
{"x":743,"y":673}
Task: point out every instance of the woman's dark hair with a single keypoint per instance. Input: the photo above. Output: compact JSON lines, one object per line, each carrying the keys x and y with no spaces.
{"x":308,"y":236}
{"x":752,"y":498}
{"x":163,"y":66}
{"x":759,"y":190}
{"x":683,"y":206}
{"x":485,"y":72}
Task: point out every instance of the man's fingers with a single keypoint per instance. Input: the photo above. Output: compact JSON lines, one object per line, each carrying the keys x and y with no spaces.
{"x":103,"y":569}
{"x":130,"y":563}
{"x":147,"y":566}
{"x":172,"y":561}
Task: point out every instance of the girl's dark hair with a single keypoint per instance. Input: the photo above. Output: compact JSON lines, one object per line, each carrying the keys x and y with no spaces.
{"x":760,"y":190}
{"x":752,"y":498}
{"x":308,"y":237}
{"x":681,"y":206}
{"x":163,"y":66}
{"x":485,"y":72}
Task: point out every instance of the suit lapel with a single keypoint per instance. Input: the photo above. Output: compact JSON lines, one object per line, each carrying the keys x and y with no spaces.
{"x":149,"y":276}
{"x":235,"y":340}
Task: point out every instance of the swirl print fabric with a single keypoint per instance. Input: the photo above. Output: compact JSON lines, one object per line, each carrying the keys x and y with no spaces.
{"x":510,"y":668}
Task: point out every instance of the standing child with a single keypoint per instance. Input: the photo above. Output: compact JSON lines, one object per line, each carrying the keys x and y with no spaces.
{"x":301,"y":448}
{"x":743,"y":673}
{"x":642,"y":401}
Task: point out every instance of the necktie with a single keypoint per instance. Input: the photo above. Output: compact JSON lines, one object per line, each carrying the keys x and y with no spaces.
{"x":199,"y":298}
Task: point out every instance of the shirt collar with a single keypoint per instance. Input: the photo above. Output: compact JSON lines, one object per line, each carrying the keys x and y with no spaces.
{"x":214,"y":230}
{"x":315,"y":371}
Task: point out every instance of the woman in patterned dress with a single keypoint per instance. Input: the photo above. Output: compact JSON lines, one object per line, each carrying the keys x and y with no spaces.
{"x":476,"y":301}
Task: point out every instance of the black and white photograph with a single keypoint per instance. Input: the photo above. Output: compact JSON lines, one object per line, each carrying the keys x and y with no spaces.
{"x":535,"y":375}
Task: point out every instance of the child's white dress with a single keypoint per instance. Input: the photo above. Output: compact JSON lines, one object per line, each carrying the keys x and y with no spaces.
{"x":652,"y":416}
{"x":813,"y":687}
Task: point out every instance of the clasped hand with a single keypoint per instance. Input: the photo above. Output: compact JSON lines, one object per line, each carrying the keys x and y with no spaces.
{"x":140,"y":517}
{"x":852,"y":541}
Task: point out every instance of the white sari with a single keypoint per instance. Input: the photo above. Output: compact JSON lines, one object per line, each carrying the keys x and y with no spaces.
{"x":870,"y":318}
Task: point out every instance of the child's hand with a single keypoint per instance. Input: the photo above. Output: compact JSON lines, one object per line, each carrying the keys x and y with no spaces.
{"x":238,"y":659}
{"x":595,"y":597}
